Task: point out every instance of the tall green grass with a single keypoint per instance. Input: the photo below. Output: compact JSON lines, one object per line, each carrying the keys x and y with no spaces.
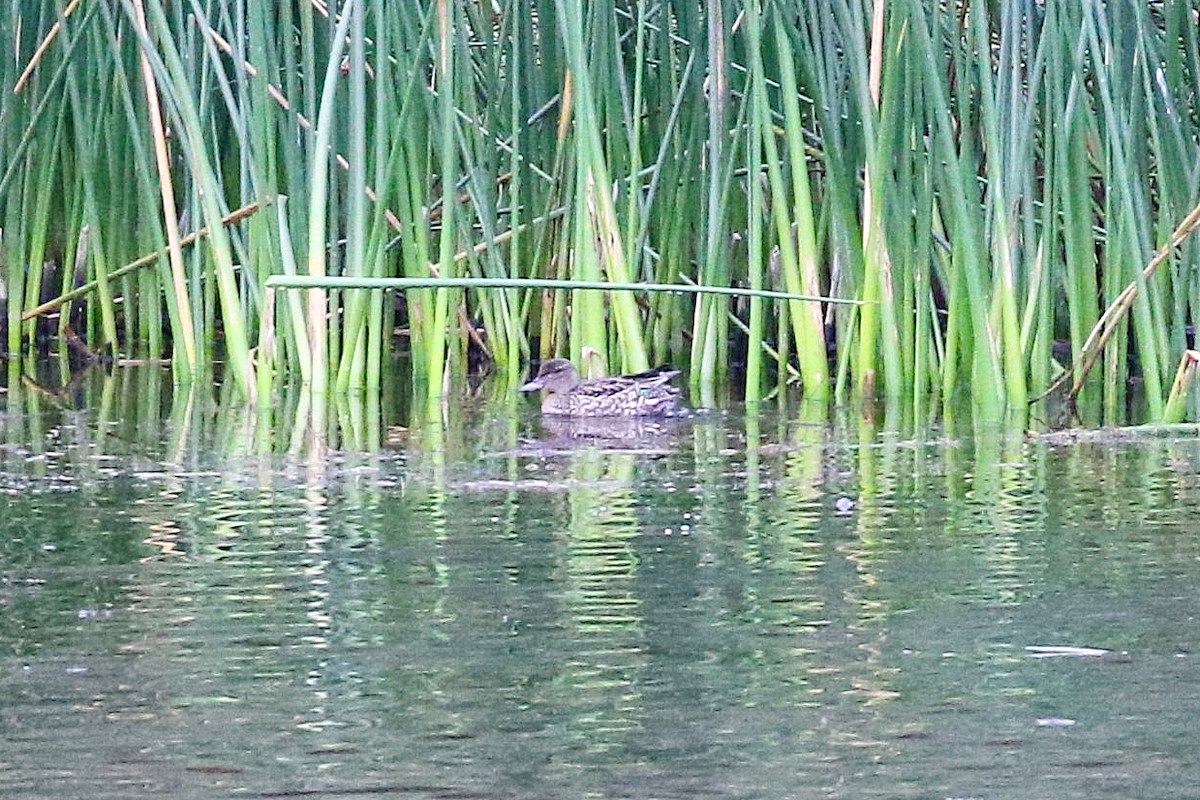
{"x":986,"y":177}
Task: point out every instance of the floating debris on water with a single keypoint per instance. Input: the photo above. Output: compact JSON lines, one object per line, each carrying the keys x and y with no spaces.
{"x":1054,"y":722}
{"x":1055,"y":651}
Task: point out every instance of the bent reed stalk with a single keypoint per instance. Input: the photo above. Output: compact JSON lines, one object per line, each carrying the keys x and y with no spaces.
{"x":704,"y":184}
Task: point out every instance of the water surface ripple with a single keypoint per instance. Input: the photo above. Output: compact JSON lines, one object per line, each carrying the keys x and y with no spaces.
{"x":728,"y":607}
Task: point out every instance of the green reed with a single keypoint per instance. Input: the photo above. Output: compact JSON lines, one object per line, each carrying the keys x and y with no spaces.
{"x":986,"y":177}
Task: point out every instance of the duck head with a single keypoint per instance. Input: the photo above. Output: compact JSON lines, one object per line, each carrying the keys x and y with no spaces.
{"x":555,"y":375}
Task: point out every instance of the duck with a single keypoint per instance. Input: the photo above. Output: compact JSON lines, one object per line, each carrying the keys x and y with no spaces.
{"x":565,"y":394}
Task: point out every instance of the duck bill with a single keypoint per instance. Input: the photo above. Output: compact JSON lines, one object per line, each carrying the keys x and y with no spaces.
{"x":532,"y":386}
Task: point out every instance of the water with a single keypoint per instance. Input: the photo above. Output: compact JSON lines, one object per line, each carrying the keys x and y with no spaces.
{"x":735,"y":606}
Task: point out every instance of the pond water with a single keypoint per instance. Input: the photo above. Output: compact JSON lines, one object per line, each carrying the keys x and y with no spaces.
{"x":736,"y":605}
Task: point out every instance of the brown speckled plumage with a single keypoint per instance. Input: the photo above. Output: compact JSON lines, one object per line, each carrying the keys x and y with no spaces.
{"x":564,"y":393}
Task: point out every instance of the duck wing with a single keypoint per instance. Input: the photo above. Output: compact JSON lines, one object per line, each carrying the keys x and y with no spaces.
{"x":651,"y":377}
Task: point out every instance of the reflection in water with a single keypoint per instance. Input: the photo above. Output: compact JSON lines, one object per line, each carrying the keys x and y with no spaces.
{"x":194,"y":604}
